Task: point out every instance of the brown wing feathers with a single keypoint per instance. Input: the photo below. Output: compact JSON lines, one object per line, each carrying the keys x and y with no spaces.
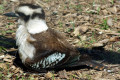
{"x":50,"y":42}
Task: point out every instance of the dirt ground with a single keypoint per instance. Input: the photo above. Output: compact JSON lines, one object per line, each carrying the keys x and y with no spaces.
{"x":92,"y":25}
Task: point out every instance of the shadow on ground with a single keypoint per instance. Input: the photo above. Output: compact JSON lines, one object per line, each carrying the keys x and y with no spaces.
{"x":7,"y":42}
{"x":109,"y":57}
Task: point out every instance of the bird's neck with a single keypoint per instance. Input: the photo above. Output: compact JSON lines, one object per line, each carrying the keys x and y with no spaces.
{"x":35,"y":26}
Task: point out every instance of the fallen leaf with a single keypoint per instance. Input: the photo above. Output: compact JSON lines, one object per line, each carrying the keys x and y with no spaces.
{"x":105,"y":12}
{"x":48,"y":75}
{"x":63,"y":74}
{"x":86,"y":18}
{"x":113,"y":10}
{"x":101,"y":43}
{"x":97,"y":44}
{"x":7,"y":60}
{"x":3,"y":66}
{"x":114,"y":39}
{"x":80,"y":29}
{"x":83,"y":38}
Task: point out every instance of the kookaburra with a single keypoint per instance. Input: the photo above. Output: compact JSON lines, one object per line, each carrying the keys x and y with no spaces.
{"x":42,"y":48}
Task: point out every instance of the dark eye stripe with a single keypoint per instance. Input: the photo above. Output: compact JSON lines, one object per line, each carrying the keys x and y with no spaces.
{"x":31,"y":6}
{"x":40,"y":15}
{"x":23,"y":16}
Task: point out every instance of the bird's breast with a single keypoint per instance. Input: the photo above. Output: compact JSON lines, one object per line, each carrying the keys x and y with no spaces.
{"x":24,"y":47}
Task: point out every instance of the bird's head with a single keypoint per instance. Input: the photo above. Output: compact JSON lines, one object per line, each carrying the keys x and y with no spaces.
{"x":28,"y":11}
{"x":25,"y":12}
{"x":30,"y":16}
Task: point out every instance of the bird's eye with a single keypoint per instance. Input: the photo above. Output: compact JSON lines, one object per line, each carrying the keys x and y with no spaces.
{"x":23,"y":16}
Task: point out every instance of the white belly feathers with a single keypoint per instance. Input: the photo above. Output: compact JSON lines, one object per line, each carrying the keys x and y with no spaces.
{"x":25,"y":49}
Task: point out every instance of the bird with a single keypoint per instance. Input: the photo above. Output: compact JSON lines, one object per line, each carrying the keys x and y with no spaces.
{"x":42,"y":48}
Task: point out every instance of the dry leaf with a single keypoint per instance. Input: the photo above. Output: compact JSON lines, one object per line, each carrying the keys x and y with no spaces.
{"x":105,"y":12}
{"x":17,"y":70}
{"x":86,"y":18}
{"x":101,"y":43}
{"x":63,"y":74}
{"x":83,"y":38}
{"x":80,"y":29}
{"x":114,"y":39}
{"x":48,"y":75}
{"x":3,"y":65}
{"x":8,"y":56}
{"x":13,"y":67}
{"x":7,"y":60}
{"x":80,"y":16}
{"x":113,"y":10}
{"x":97,"y":44}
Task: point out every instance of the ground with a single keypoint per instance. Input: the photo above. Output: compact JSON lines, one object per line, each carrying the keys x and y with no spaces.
{"x":92,"y":25}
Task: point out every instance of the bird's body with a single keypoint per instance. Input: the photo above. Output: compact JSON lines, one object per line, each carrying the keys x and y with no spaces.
{"x":41,"y":47}
{"x":45,"y":48}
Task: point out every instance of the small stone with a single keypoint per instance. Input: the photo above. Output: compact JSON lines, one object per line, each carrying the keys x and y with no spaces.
{"x":2,"y":56}
{"x":100,"y":32}
{"x":109,"y":22}
{"x":14,"y":0}
{"x":109,"y":71}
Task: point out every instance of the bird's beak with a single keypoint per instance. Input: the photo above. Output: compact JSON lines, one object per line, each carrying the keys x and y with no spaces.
{"x":10,"y":14}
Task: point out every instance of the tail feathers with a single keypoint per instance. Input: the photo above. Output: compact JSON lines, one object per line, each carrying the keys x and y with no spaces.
{"x":95,"y":65}
{"x":90,"y":63}
{"x":84,"y":60}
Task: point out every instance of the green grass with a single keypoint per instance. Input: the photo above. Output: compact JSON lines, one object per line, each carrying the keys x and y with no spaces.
{"x":88,"y":77}
{"x":104,"y":25}
{"x":60,"y":24}
{"x":2,"y":49}
{"x":1,"y":8}
{"x":53,"y":77}
{"x":6,"y":43}
{"x":118,"y":51}
{"x":112,"y":2}
{"x":71,"y":6}
{"x":79,"y":7}
{"x":73,"y":25}
{"x":1,"y":75}
{"x":98,"y":10}
{"x":72,"y":28}
{"x":47,"y":0}
{"x":4,"y":32}
{"x":92,"y":40}
{"x":10,"y":31}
